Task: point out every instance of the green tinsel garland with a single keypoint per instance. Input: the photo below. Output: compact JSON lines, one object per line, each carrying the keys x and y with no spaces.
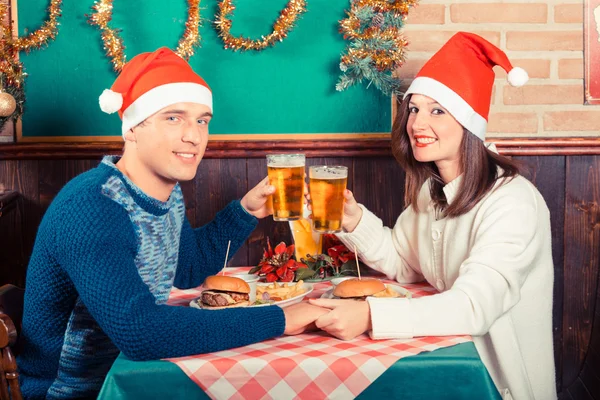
{"x":377,"y":47}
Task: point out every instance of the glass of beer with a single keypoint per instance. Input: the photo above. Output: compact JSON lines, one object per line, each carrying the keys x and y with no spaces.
{"x":286,"y":173}
{"x":306,"y":241}
{"x":326,"y":186}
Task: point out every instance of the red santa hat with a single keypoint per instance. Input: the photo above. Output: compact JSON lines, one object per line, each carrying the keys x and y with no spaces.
{"x":150,"y":82}
{"x":460,"y":78}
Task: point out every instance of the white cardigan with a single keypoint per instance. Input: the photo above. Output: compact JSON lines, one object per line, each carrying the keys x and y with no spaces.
{"x":493,"y":267}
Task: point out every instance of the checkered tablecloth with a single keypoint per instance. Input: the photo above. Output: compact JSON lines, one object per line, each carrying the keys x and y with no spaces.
{"x":307,"y":366}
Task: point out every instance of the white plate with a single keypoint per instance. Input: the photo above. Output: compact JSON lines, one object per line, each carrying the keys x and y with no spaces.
{"x":308,"y":288}
{"x":396,"y":288}
{"x":282,"y":303}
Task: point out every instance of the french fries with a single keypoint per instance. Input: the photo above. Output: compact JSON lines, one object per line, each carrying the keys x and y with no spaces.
{"x":388,"y":292}
{"x":280,"y":291}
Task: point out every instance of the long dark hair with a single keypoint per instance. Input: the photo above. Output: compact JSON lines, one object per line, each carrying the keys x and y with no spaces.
{"x":478,"y":164}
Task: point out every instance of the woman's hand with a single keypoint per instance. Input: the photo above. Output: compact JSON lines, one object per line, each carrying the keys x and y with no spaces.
{"x":352,"y":212}
{"x":347,"y":318}
{"x":301,"y":317}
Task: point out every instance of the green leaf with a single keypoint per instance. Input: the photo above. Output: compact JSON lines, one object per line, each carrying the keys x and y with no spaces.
{"x":254,"y":270}
{"x":304,"y":273}
{"x":310,"y":264}
{"x":327,"y":259}
{"x":349,"y":268}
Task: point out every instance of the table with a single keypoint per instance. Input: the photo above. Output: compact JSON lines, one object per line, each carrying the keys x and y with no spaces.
{"x":450,"y":373}
{"x":312,"y":366}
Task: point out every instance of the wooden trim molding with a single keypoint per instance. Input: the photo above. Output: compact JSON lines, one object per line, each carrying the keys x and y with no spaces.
{"x":312,"y":148}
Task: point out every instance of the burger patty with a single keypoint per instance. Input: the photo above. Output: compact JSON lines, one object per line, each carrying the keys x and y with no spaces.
{"x":359,"y":298}
{"x":221,"y":299}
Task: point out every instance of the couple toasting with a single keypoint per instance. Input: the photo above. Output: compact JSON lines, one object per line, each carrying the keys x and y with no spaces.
{"x":116,"y":239}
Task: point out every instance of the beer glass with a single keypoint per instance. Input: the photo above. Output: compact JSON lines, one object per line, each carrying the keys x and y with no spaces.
{"x":286,"y":173}
{"x":327,"y":185}
{"x":306,"y":241}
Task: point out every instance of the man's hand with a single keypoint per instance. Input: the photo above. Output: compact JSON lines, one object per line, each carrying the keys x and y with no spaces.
{"x":347,"y":318}
{"x":256,"y":201}
{"x":301,"y":317}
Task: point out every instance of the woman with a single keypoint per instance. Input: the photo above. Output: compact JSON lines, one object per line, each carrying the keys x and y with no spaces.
{"x":473,"y":228}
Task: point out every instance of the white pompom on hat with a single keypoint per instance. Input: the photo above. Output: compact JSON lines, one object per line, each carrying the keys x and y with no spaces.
{"x":110,"y":102}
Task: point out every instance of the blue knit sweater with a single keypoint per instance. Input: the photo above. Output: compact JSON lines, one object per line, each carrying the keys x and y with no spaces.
{"x":105,"y":258}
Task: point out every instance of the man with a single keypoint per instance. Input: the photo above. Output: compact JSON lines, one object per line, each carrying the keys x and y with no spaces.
{"x":115,"y":240}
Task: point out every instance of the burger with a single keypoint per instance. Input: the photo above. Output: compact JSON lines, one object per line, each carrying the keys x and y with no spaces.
{"x":224,"y":291}
{"x":358,"y":289}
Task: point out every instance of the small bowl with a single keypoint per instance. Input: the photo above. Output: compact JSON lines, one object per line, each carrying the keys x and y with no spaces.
{"x":251,"y":280}
{"x":337,"y":281}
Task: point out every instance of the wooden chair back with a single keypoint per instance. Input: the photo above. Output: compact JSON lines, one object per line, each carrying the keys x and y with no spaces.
{"x":11,"y":314}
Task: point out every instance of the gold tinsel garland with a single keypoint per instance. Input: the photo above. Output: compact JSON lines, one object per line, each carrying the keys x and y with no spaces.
{"x":10,"y":47}
{"x":113,"y":43}
{"x":282,"y":26}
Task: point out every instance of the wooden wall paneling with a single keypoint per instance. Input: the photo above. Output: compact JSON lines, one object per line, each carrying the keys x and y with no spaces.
{"x":547,"y":173}
{"x":582,"y":259}
{"x":565,"y":396}
{"x":217,"y":183}
{"x":315,"y":147}
{"x":55,"y":174}
{"x":12,"y":253}
{"x":379,"y":185}
{"x":276,"y":231}
{"x":590,"y":374}
{"x":189,"y":197}
{"x":578,"y":391}
{"x":22,"y":176}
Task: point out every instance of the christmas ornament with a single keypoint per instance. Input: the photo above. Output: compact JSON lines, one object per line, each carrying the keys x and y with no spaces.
{"x":282,"y":26}
{"x":113,"y":43}
{"x":7,"y":104}
{"x":12,"y":98}
{"x":377,"y":46}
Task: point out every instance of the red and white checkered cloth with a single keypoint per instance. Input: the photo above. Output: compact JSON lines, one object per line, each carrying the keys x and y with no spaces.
{"x":306,"y":366}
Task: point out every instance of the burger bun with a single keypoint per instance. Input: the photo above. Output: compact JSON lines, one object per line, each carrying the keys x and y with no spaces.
{"x":358,"y":288}
{"x":226,"y":284}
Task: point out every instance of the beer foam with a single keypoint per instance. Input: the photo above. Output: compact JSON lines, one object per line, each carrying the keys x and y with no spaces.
{"x":328,"y":173}
{"x":285,"y":164}
{"x":285,"y":161}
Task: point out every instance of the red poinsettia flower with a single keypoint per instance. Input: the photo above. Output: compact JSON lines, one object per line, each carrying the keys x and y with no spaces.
{"x":340,"y":254}
{"x":277,"y":265}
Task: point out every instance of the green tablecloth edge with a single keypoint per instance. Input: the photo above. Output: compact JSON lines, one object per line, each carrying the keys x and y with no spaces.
{"x":418,"y":382}
{"x":445,"y":381}
{"x":157,"y":380}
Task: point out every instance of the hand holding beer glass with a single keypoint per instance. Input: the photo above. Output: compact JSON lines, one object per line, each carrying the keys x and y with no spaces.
{"x":286,"y":173}
{"x":327,"y":186}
